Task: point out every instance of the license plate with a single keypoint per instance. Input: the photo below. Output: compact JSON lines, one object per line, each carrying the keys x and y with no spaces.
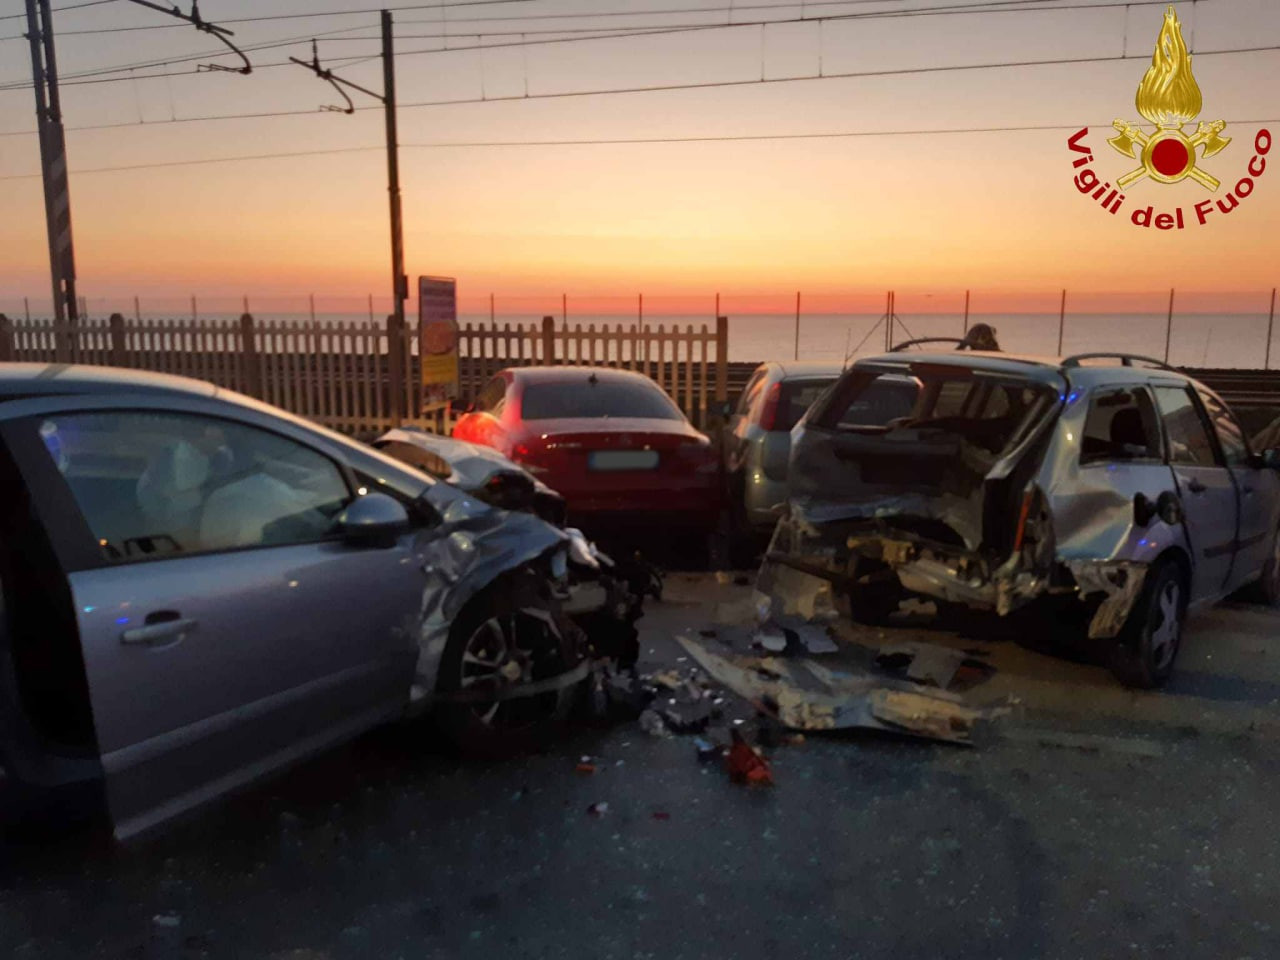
{"x":622,"y":460}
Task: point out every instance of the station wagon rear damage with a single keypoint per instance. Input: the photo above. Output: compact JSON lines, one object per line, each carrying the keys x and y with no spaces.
{"x":955,"y":503}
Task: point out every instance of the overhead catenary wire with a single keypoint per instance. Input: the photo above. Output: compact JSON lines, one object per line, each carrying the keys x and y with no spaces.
{"x":1114,"y":58}
{"x":728,"y":138}
{"x":70,"y":6}
{"x":285,"y":16}
{"x":1022,"y":6}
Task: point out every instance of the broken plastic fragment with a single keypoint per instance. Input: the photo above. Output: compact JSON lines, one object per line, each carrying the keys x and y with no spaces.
{"x":746,"y":765}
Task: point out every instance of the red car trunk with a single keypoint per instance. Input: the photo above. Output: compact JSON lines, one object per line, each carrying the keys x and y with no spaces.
{"x":623,"y":465}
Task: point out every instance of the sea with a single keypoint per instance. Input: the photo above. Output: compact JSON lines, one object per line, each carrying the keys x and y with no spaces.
{"x":1192,"y":339}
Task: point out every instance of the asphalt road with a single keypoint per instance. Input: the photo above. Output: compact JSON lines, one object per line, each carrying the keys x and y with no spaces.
{"x":1091,"y":822}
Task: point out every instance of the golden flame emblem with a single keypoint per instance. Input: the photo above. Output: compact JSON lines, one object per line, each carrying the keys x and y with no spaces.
{"x":1169,"y":97}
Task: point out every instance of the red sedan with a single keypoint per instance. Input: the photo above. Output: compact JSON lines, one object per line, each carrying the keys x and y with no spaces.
{"x":610,"y":441}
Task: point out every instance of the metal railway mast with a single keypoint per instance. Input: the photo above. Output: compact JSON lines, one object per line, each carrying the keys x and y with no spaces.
{"x":53,"y":161}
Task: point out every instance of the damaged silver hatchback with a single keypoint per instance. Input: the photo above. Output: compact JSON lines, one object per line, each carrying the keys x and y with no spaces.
{"x":1111,"y":484}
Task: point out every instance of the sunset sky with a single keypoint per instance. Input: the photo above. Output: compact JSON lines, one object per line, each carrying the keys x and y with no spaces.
{"x":840,"y":218}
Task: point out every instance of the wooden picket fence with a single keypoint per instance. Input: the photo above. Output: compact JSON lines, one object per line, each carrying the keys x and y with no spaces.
{"x":362,"y":378}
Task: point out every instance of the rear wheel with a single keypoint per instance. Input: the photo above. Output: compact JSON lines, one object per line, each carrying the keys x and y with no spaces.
{"x":1148,"y":645}
{"x":507,"y":637}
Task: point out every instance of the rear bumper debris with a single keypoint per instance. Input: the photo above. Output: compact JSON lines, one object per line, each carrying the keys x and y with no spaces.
{"x":1119,"y":582}
{"x":804,"y":695}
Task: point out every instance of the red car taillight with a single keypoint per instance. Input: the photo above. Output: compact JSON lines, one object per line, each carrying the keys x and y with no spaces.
{"x":527,"y":456}
{"x":769,"y":415}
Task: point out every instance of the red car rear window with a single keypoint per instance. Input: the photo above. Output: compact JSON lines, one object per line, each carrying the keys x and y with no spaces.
{"x":603,"y":398}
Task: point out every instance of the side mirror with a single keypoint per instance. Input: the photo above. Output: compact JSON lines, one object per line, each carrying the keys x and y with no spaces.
{"x":373,"y":520}
{"x":726,"y":409}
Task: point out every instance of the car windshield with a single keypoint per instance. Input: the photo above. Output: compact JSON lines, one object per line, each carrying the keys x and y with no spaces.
{"x":592,"y":398}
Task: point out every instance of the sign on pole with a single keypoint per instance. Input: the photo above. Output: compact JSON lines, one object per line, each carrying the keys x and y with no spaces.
{"x":438,"y":337}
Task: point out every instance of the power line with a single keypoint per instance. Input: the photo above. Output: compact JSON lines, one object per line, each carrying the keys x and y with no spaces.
{"x":739,"y":138}
{"x":731,"y":138}
{"x":668,"y":87}
{"x":451,"y":4}
{"x":203,"y":160}
{"x":661,"y":88}
{"x":978,"y":8}
{"x":73,"y":6}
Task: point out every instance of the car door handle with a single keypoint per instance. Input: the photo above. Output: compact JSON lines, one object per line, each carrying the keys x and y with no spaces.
{"x":153,"y":633}
{"x":1195,"y":486}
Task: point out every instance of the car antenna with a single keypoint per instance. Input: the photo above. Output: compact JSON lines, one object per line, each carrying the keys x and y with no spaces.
{"x":848,"y":338}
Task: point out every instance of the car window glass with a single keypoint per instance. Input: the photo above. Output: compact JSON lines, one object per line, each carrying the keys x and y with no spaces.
{"x":798,"y":397}
{"x":1121,"y":426}
{"x":492,"y":396}
{"x":952,"y":397}
{"x":591,"y":397}
{"x":1189,"y":441}
{"x":153,"y":483}
{"x":884,"y":399}
{"x":1234,"y":446}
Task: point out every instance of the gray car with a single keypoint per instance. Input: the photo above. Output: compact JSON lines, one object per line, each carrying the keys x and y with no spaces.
{"x":1113,"y":482}
{"x":758,"y":445}
{"x":199,"y":589}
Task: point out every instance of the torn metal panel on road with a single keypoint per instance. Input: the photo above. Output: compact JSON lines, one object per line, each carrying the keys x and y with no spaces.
{"x":842,"y":701}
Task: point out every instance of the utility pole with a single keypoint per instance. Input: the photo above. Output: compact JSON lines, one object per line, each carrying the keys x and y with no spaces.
{"x":53,"y":161}
{"x":399,"y":281}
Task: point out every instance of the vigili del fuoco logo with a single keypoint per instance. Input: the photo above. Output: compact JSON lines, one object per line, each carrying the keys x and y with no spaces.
{"x":1168,"y":98}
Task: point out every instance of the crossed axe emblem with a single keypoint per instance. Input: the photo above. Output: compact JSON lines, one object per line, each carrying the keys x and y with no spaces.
{"x":1132,"y":142}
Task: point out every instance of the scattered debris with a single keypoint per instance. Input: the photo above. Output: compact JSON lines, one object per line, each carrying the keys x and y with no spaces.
{"x":661,"y":815}
{"x":824,"y":699}
{"x":707,"y":751}
{"x":770,"y":638}
{"x":693,"y":718}
{"x":816,"y":639}
{"x":746,"y":765}
{"x":651,"y":722}
{"x":923,"y":662}
{"x":598,"y":810}
{"x":667,"y":679}
{"x":792,"y":592}
{"x":586,"y":768}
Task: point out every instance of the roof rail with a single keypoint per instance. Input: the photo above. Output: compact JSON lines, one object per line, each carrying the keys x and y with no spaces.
{"x":1126,"y":359}
{"x":898,"y":348}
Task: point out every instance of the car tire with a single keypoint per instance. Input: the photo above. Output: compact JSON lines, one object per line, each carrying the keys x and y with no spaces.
{"x":1145,"y":651}
{"x":507,"y":617}
{"x":1266,"y":589}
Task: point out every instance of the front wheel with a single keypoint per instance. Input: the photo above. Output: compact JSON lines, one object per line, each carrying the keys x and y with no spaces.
{"x":508,"y":637}
{"x":1149,"y":643}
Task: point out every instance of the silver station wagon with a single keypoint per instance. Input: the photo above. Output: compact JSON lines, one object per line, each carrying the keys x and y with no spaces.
{"x":1113,"y":482}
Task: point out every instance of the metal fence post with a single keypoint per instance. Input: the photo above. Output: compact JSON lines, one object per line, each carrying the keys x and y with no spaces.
{"x":722,"y":363}
{"x":1271,"y":319}
{"x":6,"y":339}
{"x":548,"y":341}
{"x":116,"y":324}
{"x":249,"y":357}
